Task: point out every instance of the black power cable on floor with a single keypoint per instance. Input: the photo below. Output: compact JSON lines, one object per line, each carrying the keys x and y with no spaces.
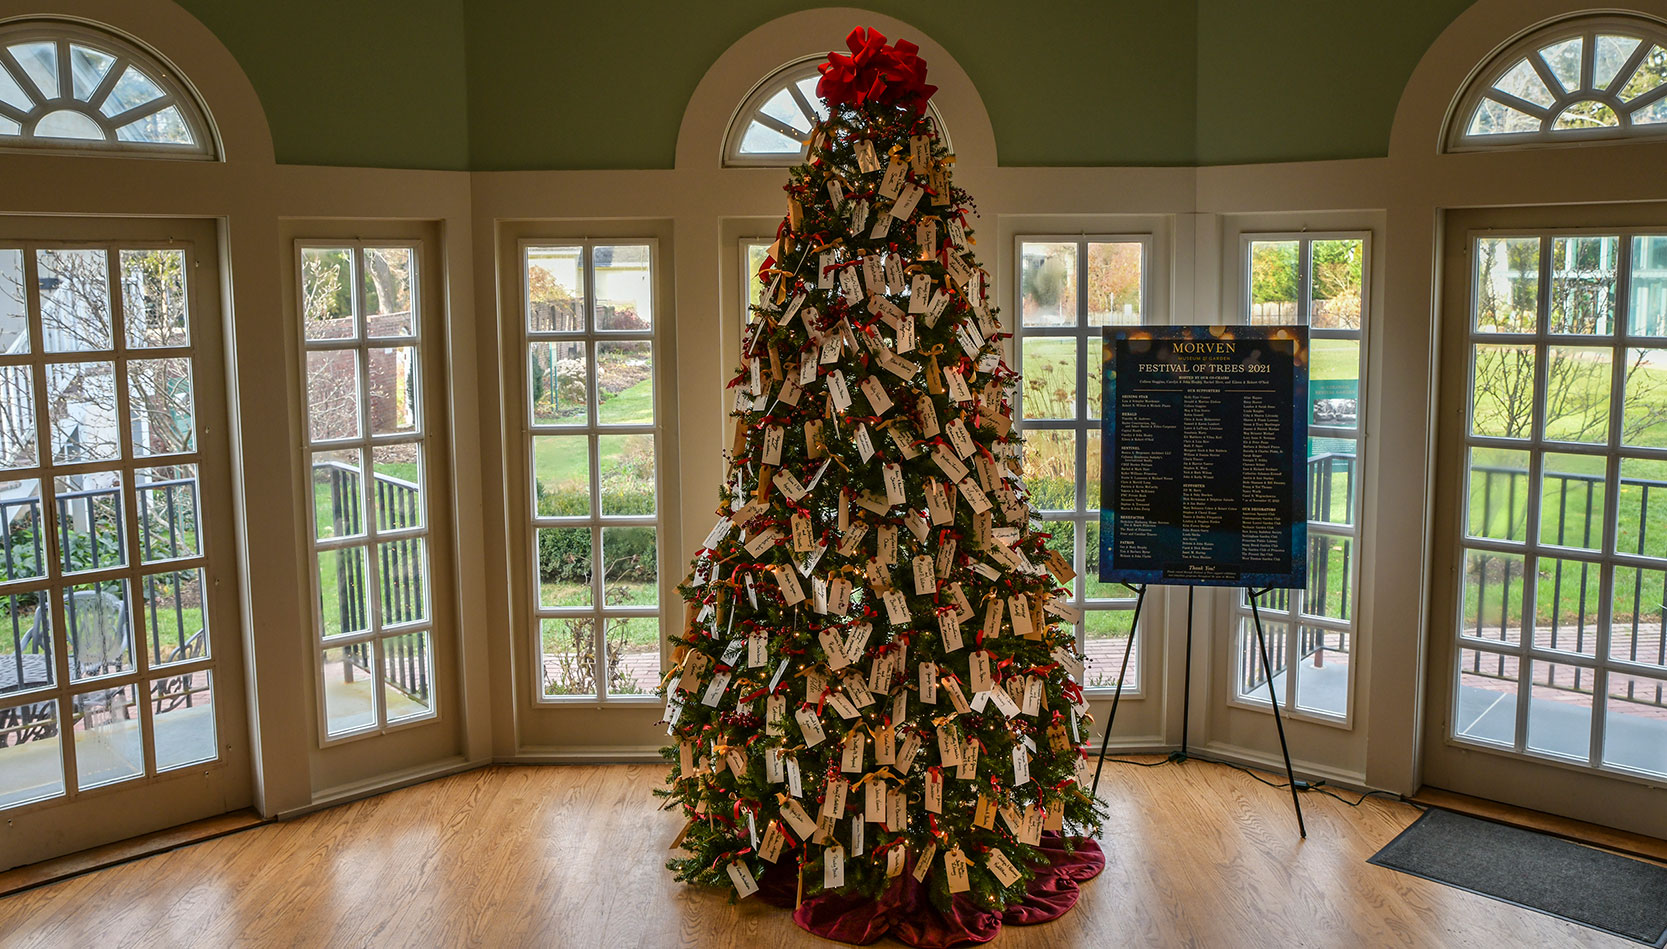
{"x":1176,"y":757}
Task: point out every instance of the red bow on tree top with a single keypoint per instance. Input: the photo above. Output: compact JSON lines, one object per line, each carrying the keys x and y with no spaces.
{"x":875,"y":72}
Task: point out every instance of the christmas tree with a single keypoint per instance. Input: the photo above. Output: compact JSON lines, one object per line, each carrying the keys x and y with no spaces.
{"x":877,"y":674}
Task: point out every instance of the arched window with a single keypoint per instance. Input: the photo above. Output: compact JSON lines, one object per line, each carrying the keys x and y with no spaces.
{"x":66,"y":87}
{"x":774,"y":120}
{"x":1577,"y":80}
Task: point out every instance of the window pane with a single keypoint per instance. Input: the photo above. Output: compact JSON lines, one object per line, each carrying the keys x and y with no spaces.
{"x":1560,"y":709}
{"x":166,"y":126}
{"x":564,"y":566}
{"x":757,"y":252}
{"x":630,"y":566}
{"x":1635,"y":724}
{"x":132,"y":90}
{"x":327,"y":293}
{"x":633,"y":654}
{"x":1092,"y":587}
{"x":1497,"y":502}
{"x":1334,"y":382}
{"x":627,"y":471}
{"x":1571,"y":500}
{"x":624,"y":288}
{"x":1563,"y":58}
{"x":561,"y":475}
{"x":26,"y":646}
{"x":398,"y":492}
{"x":388,"y":307}
{"x":23,"y":543}
{"x":1583,"y":285}
{"x":1114,"y":280}
{"x":1050,"y":468}
{"x":343,"y":580}
{"x":403,"y":568}
{"x":17,"y":417}
{"x":108,"y":745}
{"x":1641,"y":515}
{"x":1492,"y":596}
{"x":349,"y":702}
{"x":555,"y":289}
{"x":14,"y":314}
{"x":760,"y":139}
{"x":1507,"y":284}
{"x":1274,"y":282}
{"x":338,"y":493}
{"x":31,"y":766}
{"x":1487,"y":700}
{"x":408,"y":675}
{"x":87,"y":69}
{"x":1647,"y":314}
{"x":1338,"y":284}
{"x":1577,"y":385}
{"x":1636,"y":616}
{"x":1092,"y":478}
{"x":1651,"y":72}
{"x":154,"y":306}
{"x":81,"y":408}
{"x":161,"y":406}
{"x":1048,"y":284}
{"x":1332,"y":466}
{"x":1050,"y":377}
{"x":1494,"y":118}
{"x":1253,"y":678}
{"x":1330,"y":571}
{"x":394,"y":405}
{"x":1566,"y":605}
{"x":74,"y":300}
{"x":1644,"y":398}
{"x":568,"y":650}
{"x":558,"y":381}
{"x":1523,"y":82}
{"x":1106,"y":639}
{"x":174,"y":616}
{"x":1323,"y":672}
{"x":182,"y":710}
{"x":333,"y":395}
{"x":625,"y":383}
{"x":1502,"y":387}
{"x":89,"y":523}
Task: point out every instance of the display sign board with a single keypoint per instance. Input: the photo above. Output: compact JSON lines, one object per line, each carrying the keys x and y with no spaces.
{"x":1203,"y":456}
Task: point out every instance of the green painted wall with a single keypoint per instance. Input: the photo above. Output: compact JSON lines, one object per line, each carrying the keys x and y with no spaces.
{"x":516,"y":84}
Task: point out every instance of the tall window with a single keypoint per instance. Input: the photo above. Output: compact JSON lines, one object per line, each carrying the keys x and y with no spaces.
{"x":67,"y":86}
{"x":1590,"y":78}
{"x":1069,"y":289}
{"x":362,"y":340}
{"x":1320,"y":281}
{"x":775,"y":119}
{"x":103,"y":609}
{"x":593,"y":445}
{"x":1560,"y":649}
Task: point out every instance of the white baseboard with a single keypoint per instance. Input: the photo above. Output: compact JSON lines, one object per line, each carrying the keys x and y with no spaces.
{"x":342,"y":794}
{"x":582,"y":754}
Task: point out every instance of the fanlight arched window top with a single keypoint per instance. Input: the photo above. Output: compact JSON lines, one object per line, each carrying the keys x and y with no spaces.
{"x":775,"y":119}
{"x":66,"y":87}
{"x":1590,"y":78}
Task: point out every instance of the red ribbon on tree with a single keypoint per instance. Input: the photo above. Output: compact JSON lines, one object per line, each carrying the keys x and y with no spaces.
{"x":875,"y":72}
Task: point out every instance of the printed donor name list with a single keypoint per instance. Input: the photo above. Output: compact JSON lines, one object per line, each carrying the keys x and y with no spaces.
{"x":1203,"y":447}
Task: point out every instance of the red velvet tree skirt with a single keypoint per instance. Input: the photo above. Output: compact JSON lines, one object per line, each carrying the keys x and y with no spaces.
{"x":905,"y":912}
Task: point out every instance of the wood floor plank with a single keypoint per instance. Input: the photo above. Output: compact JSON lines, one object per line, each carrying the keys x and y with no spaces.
{"x":1199,"y":855}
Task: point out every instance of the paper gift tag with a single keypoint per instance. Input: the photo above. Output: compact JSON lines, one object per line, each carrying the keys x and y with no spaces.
{"x":946,"y":461}
{"x":851,"y":754}
{"x":979,"y":671}
{"x":841,"y":392}
{"x":788,"y":484}
{"x":950,"y":632}
{"x":929,"y":683}
{"x":949,"y":745}
{"x":742,"y":877}
{"x":715,"y":691}
{"x":926,"y":235}
{"x":795,"y":785}
{"x":1002,"y":868}
{"x":774,"y":436}
{"x":897,"y":608}
{"x":811,"y":726}
{"x":891,"y":185}
{"x":959,"y":438}
{"x":1030,"y":829}
{"x":1032,"y":704}
{"x":936,"y":307}
{"x":970,"y":492}
{"x":762,"y":542}
{"x":920,"y":292}
{"x":992,"y":617}
{"x":775,"y":713}
{"x":874,"y":801}
{"x":906,"y":754}
{"x":834,"y":646}
{"x":897,"y":811}
{"x":963,"y":608}
{"x":857,"y":825}
{"x":839,"y":703}
{"x":957,"y":386}
{"x":885,"y":746}
{"x":867,"y":160}
{"x":775,"y":767}
{"x":967,"y":770}
{"x":957,"y":698}
{"x":1021,"y":766}
{"x":934,"y":791}
{"x":849,"y":287}
{"x":833,"y":866}
{"x":896,"y":859}
{"x":1004,"y":701}
{"x":925,"y":577}
{"x":875,"y":391}
{"x":906,"y":202}
{"x":804,"y":536}
{"x":836,"y":193}
{"x":984,"y":815}
{"x":1019,"y":609}
{"x":923,"y":863}
{"x":797,"y":819}
{"x":833,"y":797}
{"x":1066,"y":612}
{"x":791,"y":591}
{"x":955,"y":870}
{"x":774,"y":840}
{"x":859,"y":217}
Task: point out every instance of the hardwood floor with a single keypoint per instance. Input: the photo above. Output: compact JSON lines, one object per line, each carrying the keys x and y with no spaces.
{"x":1200,"y":855}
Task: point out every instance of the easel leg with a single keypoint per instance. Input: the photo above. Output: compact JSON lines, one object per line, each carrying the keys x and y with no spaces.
{"x":1186,"y":686}
{"x":1122,"y":676}
{"x":1278,"y":722}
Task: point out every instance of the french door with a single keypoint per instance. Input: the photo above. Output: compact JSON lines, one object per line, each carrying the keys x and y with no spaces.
{"x":121,"y":698}
{"x":1548,"y":672}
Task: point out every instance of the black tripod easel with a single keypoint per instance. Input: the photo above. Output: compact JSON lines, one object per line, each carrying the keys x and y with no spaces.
{"x":1186,"y":700}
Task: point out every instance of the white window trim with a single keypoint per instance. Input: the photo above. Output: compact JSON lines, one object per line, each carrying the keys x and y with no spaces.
{"x":1482,"y":79}
{"x":366,"y":442}
{"x":1088,"y":363}
{"x":751,"y":109}
{"x":176,"y":88}
{"x":660,"y":520}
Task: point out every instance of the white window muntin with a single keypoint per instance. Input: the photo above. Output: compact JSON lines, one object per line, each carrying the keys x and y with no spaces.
{"x":1289,"y":607}
{"x":592,"y":428}
{"x":371,"y":537}
{"x":784,"y":121}
{"x":1089,"y":340}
